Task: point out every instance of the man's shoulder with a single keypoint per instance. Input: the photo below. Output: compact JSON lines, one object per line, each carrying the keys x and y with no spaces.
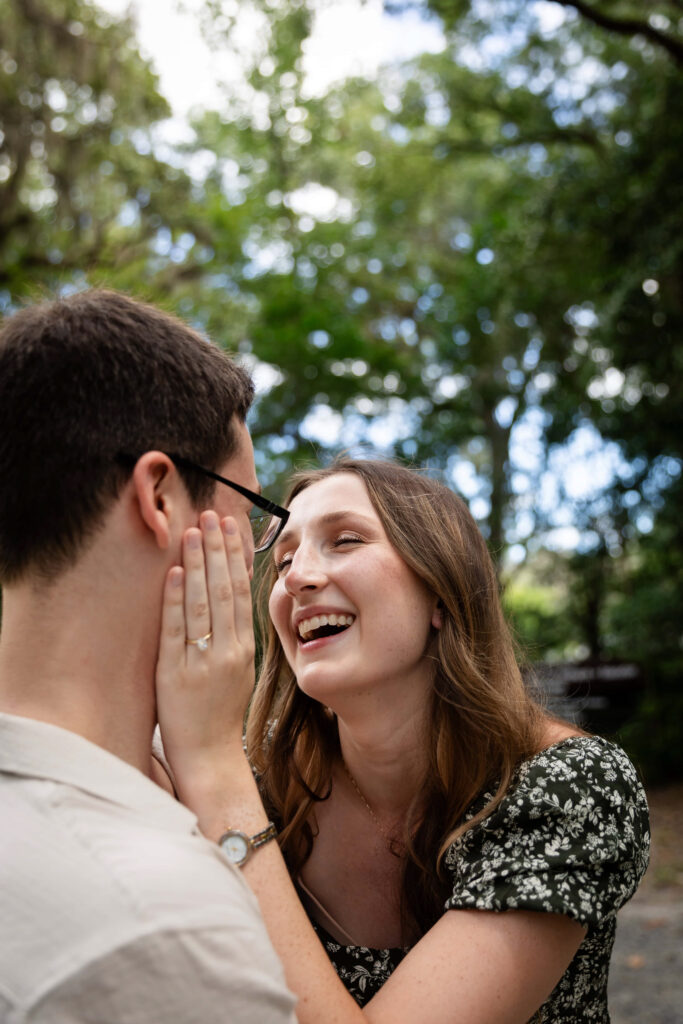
{"x":64,"y":841}
{"x":84,"y":881}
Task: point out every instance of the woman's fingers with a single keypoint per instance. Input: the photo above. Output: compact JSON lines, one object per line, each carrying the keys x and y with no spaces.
{"x":197,"y":610}
{"x":203,"y":690}
{"x":172,"y":645}
{"x":218,"y":582}
{"x":240,"y":585}
{"x":227,"y":581}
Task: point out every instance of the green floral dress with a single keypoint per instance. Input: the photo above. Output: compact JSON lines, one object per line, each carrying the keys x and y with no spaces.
{"x":571,"y":837}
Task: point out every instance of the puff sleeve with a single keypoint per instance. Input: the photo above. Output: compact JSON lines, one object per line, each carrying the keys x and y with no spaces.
{"x":570,"y":837}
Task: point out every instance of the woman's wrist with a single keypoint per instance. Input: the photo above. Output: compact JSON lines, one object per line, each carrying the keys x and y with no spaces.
{"x":222,"y":794}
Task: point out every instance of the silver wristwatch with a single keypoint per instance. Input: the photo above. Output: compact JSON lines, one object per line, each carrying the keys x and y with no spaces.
{"x":238,"y":846}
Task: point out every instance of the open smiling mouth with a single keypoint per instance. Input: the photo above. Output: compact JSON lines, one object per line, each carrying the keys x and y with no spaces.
{"x":319,"y":626}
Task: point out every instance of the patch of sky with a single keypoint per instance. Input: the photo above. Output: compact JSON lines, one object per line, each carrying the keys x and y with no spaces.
{"x":399,"y":423}
{"x":357,"y":36}
{"x":505,"y":411}
{"x":537,"y":156}
{"x":519,"y":483}
{"x":306,"y":269}
{"x":319,"y":202}
{"x":359,"y":296}
{"x":322,"y":424}
{"x":532,"y":352}
{"x":181,"y":247}
{"x":399,"y":134}
{"x":607,"y":385}
{"x":586,"y":464}
{"x":280,"y":443}
{"x":461,"y":241}
{"x":363,"y":229}
{"x":319,"y":339}
{"x":462,"y":473}
{"x":265,"y":376}
{"x":367,"y":406}
{"x":563,"y":538}
{"x":200,"y":164}
{"x":349,"y":368}
{"x":527,"y":448}
{"x":522,"y":527}
{"x":480,"y":507}
{"x":408,"y":331}
{"x":543,"y":382}
{"x":438,"y":112}
{"x":162,"y":242}
{"x":450,"y":385}
{"x":663,"y":472}
{"x":274,"y":257}
{"x":645,"y":521}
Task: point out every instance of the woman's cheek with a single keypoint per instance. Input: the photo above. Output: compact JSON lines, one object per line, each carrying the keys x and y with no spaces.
{"x":279,"y":615}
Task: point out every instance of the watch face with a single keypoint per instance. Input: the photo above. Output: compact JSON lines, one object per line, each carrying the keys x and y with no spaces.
{"x":236,"y":847}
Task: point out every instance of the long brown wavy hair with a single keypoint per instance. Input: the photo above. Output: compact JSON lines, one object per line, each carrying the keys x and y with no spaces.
{"x":482,"y":721}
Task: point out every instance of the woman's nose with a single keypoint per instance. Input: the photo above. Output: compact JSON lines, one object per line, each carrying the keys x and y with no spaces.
{"x":306,"y":570}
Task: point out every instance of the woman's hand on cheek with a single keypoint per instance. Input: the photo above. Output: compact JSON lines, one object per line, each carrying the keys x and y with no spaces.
{"x":203,"y":689}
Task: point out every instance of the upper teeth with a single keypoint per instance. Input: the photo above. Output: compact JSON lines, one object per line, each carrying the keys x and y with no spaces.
{"x":307,"y":626}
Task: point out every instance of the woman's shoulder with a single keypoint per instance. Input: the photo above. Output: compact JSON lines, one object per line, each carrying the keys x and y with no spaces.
{"x":571,"y":835}
{"x":578,"y":782}
{"x":582,"y":760}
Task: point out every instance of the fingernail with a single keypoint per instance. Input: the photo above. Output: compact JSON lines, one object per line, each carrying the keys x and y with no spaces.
{"x":230,"y":526}
{"x":177,"y":577}
{"x":194,"y":539}
{"x":210,"y":521}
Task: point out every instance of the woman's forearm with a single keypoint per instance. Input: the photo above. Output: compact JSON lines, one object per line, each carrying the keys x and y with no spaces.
{"x":229,"y":798}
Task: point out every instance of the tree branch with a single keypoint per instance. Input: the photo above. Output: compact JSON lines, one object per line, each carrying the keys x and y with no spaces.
{"x":627,"y":27}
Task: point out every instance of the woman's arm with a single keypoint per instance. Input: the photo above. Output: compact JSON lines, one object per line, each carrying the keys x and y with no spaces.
{"x":472,"y":967}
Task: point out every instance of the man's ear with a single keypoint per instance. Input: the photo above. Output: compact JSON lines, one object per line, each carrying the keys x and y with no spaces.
{"x":155,"y":480}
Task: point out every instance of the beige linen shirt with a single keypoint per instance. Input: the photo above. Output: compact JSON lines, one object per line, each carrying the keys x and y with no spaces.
{"x":113,"y":907}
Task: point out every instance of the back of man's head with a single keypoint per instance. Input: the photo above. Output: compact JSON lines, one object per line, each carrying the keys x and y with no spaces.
{"x":83,"y":379}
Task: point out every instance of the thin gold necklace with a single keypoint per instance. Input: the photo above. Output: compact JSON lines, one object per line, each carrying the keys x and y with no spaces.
{"x":394,"y":846}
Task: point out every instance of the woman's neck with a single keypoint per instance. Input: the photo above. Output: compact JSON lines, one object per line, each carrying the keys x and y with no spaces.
{"x":387,"y":762}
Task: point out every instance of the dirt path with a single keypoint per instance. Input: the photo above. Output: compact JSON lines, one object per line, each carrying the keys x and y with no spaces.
{"x":646,"y":976}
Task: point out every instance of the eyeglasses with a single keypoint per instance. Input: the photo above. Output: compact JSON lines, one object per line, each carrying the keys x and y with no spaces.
{"x":267,"y":519}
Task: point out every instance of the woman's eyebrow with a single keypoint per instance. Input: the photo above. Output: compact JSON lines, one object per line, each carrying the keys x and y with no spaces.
{"x":328,"y":519}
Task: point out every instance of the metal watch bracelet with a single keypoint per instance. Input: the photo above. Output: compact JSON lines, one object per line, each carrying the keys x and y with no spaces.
{"x":238,"y":847}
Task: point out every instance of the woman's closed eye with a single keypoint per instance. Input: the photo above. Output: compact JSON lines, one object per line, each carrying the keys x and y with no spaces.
{"x":343,"y":539}
{"x":346,"y":538}
{"x":282,"y":563}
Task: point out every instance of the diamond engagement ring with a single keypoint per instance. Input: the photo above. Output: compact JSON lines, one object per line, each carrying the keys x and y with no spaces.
{"x":202,"y":642}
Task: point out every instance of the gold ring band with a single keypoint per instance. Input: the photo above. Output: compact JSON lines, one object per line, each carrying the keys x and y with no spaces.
{"x":202,"y":642}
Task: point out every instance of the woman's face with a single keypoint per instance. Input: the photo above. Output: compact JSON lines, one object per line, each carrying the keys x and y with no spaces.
{"x":351,"y":616}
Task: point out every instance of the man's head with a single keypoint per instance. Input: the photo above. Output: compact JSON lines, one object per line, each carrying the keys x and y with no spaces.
{"x":82,"y":380}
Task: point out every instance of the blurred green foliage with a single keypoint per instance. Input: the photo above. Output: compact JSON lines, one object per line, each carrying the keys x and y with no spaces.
{"x":464,"y":261}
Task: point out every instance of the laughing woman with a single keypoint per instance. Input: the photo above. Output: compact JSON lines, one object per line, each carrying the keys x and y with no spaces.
{"x":446,"y":851}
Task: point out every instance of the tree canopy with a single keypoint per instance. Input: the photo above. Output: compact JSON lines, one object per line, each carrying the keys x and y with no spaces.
{"x":472,"y":260}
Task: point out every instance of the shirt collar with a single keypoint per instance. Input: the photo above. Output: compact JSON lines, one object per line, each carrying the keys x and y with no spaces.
{"x":44,"y":751}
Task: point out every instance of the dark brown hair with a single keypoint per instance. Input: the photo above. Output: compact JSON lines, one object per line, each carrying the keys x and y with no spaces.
{"x":82,"y":379}
{"x":482,"y":721}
